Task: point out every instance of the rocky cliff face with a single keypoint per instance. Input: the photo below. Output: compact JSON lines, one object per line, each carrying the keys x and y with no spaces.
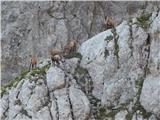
{"x":34,"y":27}
{"x":116,"y":77}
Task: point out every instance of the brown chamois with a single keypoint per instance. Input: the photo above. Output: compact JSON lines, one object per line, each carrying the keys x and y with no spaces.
{"x":56,"y":59}
{"x":33,"y":62}
{"x":55,"y":55}
{"x":109,"y":22}
{"x":70,"y":47}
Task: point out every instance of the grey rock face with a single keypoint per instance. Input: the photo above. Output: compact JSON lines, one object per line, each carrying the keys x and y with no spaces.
{"x":117,"y":77}
{"x":71,"y":64}
{"x":34,"y":27}
{"x":80,"y":104}
{"x":55,"y":97}
{"x":55,"y":78}
{"x":123,"y":69}
{"x":150,"y":95}
{"x":121,"y":115}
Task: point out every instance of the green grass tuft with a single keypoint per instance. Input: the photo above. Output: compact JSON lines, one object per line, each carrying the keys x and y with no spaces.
{"x":143,"y":20}
{"x":14,"y":82}
{"x":81,"y":70}
{"x":40,"y":70}
{"x":109,"y":38}
{"x":72,"y":55}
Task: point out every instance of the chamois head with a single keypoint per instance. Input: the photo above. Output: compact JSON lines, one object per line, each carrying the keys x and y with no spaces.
{"x":109,"y":22}
{"x":70,"y":47}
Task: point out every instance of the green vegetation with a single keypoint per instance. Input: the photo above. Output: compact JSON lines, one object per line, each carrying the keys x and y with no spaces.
{"x":81,"y":70}
{"x":14,"y":82}
{"x":109,"y":38}
{"x":40,"y":70}
{"x":106,"y":53}
{"x":116,"y":46}
{"x":143,"y":112}
{"x":23,"y":111}
{"x":104,"y":114}
{"x":137,"y":106}
{"x":129,"y":116}
{"x":143,"y":20}
{"x":139,"y":83}
{"x":72,"y":55}
{"x":18,"y":102}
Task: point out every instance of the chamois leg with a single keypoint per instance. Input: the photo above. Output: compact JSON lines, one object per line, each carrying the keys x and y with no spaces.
{"x":29,"y":66}
{"x":74,"y":49}
{"x":71,"y":50}
{"x":57,"y":62}
{"x":51,"y":62}
{"x":35,"y":65}
{"x":32,"y":66}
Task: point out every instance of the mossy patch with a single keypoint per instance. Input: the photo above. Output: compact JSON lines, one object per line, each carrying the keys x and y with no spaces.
{"x":73,"y":55}
{"x":116,"y":46}
{"x":106,"y":53}
{"x":14,"y":82}
{"x":109,"y":38}
{"x":40,"y":70}
{"x":23,"y":73}
{"x":18,"y":102}
{"x":143,"y":20}
{"x":129,"y":116}
{"x":142,"y":112}
{"x":81,"y":70}
{"x":139,"y":83}
{"x":24,"y":112}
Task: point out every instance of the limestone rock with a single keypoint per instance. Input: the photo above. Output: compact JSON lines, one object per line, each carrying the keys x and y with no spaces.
{"x":150,"y":95}
{"x":55,"y":78}
{"x":121,"y":115}
{"x":117,"y":77}
{"x":80,"y":104}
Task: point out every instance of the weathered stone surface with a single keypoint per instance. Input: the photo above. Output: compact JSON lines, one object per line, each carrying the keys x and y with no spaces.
{"x":4,"y":106}
{"x":55,"y":78}
{"x":150,"y":95}
{"x":154,"y":63}
{"x":121,"y":115}
{"x":80,"y":104}
{"x":64,"y":110}
{"x":93,"y":59}
{"x":33,"y":27}
{"x":117,"y":77}
{"x":44,"y":113}
{"x":71,"y":64}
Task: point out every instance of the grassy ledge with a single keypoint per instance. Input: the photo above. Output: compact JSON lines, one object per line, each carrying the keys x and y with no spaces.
{"x":143,"y":20}
{"x":23,"y":74}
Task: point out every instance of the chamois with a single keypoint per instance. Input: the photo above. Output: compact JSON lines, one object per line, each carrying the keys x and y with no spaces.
{"x":55,"y":55}
{"x":109,"y":22}
{"x":70,"y":47}
{"x":56,"y":58}
{"x":33,"y":62}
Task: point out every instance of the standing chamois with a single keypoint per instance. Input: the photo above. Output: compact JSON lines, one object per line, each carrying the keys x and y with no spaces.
{"x":33,"y":62}
{"x":56,"y":56}
{"x":70,"y":47}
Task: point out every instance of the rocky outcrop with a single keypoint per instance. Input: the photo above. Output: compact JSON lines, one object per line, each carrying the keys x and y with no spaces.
{"x":115,"y":77}
{"x":150,"y":95}
{"x":55,"y":96}
{"x":34,"y":27}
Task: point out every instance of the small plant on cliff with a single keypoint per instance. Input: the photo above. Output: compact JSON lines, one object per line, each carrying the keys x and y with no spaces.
{"x":72,"y":55}
{"x":143,"y":20}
